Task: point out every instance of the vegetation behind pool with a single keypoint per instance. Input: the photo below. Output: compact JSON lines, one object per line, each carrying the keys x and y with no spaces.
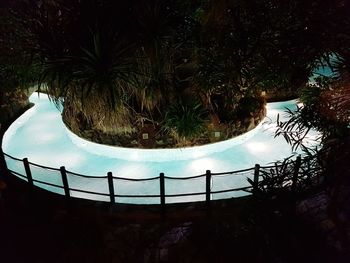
{"x":158,"y":74}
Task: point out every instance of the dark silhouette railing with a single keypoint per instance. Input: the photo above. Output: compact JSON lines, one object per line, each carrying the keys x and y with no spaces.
{"x":295,"y":173}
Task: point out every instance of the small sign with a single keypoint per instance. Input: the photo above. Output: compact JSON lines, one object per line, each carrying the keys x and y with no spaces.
{"x":145,"y":136}
{"x":217,"y":134}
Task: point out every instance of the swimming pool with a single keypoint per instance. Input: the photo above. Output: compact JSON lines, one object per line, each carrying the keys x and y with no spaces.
{"x":40,"y":135}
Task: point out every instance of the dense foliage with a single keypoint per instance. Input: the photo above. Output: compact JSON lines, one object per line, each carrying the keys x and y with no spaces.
{"x":121,"y":64}
{"x":326,"y":107}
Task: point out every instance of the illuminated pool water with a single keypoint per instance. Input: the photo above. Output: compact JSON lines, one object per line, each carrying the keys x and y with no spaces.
{"x":40,"y":135}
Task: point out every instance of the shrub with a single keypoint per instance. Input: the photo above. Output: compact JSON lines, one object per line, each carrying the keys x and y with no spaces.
{"x":185,"y":120}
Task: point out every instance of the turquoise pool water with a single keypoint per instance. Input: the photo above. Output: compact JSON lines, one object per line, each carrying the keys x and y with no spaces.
{"x":40,"y":135}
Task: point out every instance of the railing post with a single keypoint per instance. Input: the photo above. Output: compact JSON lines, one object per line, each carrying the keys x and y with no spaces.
{"x":295,"y":174}
{"x":256,"y":178}
{"x":207,"y":187}
{"x":162,"y":191}
{"x":65,"y":181}
{"x":28,"y":172}
{"x":111,"y":187}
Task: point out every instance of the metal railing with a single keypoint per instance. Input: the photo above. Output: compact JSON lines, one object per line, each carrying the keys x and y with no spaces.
{"x":297,"y":174}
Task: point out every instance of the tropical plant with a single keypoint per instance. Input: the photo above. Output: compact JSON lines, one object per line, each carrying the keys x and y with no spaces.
{"x":275,"y":179}
{"x":290,"y":176}
{"x":88,"y":65}
{"x":325,"y":108}
{"x":100,"y":68}
{"x":163,"y":30}
{"x":185,"y":121}
{"x":133,"y":59}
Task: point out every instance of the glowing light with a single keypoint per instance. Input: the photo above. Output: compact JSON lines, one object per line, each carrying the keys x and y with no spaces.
{"x":197,"y":154}
{"x":201,"y":165}
{"x":256,"y":147}
{"x":135,"y":155}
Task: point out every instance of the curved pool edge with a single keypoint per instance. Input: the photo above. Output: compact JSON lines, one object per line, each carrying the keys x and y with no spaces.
{"x":139,"y":154}
{"x":173,"y":154}
{"x":158,"y":155}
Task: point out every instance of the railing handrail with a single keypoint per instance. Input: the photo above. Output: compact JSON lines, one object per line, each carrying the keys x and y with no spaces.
{"x":136,"y":179}
{"x":87,"y":176}
{"x":291,"y":180}
{"x":156,"y":177}
{"x":14,"y":158}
